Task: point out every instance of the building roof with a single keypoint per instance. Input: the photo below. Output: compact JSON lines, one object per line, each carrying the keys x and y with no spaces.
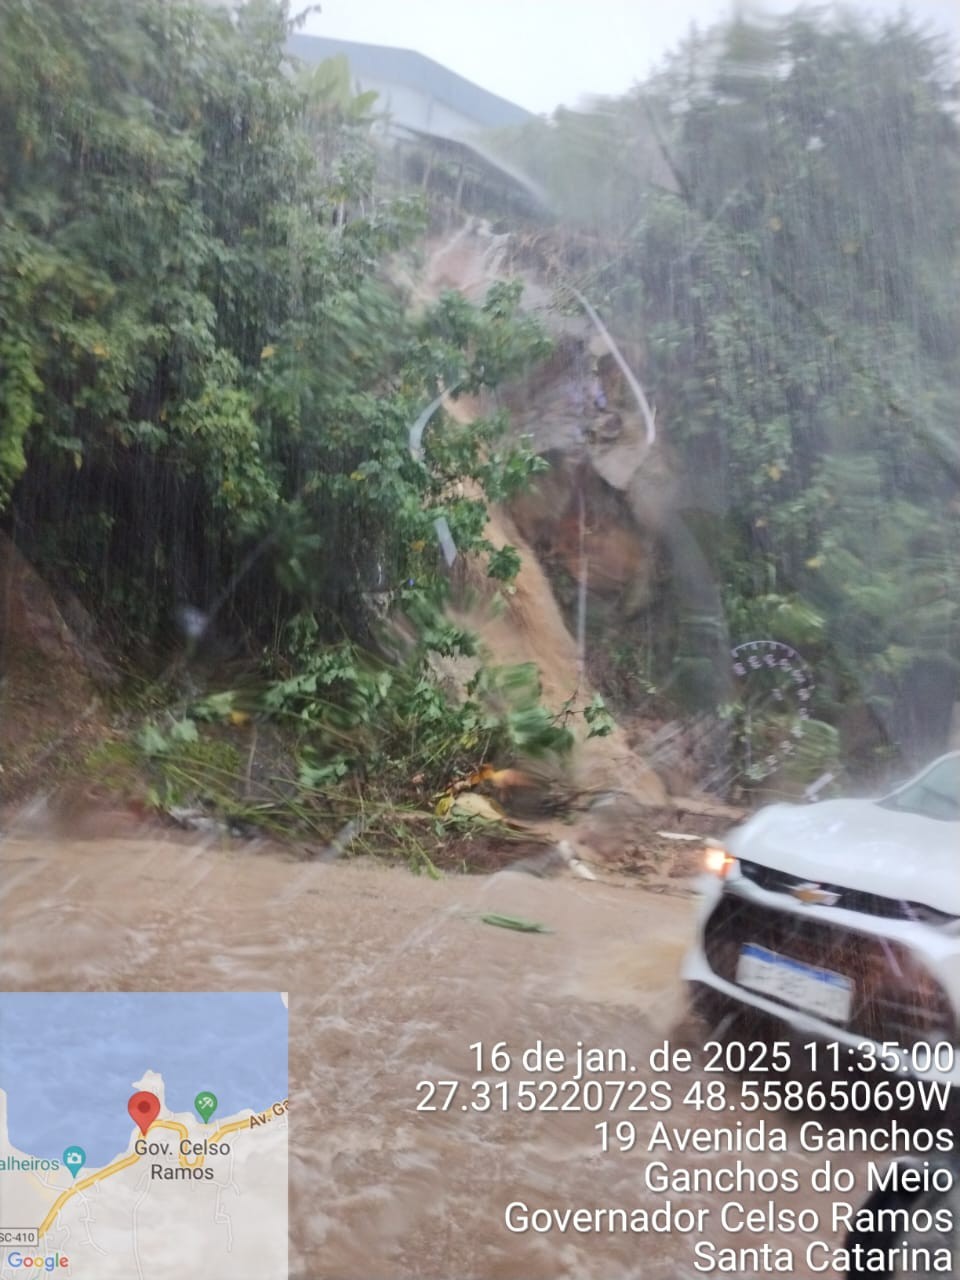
{"x":404,"y":66}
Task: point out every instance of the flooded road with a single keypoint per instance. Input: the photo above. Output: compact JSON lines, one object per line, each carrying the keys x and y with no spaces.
{"x":392,"y":978}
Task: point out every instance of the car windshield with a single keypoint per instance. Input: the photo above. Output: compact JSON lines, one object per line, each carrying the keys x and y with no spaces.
{"x":935,"y":794}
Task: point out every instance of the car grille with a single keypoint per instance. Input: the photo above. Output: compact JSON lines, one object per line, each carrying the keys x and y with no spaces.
{"x":868,"y":904}
{"x":894,"y":997}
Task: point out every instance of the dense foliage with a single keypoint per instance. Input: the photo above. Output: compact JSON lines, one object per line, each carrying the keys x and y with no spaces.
{"x":206,"y":378}
{"x":208,"y":374}
{"x":773,"y":219}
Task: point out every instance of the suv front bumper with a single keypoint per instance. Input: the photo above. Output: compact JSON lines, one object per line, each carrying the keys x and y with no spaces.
{"x":905,"y":975}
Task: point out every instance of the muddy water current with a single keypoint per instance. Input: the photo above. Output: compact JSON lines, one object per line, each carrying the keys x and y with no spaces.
{"x":391,"y":978}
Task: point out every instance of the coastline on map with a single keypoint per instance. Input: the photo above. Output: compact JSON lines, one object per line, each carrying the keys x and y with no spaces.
{"x":174,"y":1044}
{"x":170,"y":1128}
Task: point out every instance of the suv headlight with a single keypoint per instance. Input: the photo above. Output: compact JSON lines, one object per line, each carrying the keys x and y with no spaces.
{"x":718,"y":860}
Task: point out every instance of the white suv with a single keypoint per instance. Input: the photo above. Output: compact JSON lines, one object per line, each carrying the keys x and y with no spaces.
{"x":841,"y":919}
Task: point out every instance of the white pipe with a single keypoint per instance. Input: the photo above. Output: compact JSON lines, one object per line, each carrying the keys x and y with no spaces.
{"x":649,"y":416}
{"x":444,"y":536}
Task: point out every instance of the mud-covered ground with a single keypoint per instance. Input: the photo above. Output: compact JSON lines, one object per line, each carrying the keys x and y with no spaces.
{"x":392,"y":977}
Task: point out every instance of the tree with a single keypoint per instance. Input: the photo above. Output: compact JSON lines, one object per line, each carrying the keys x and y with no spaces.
{"x":780,"y":236}
{"x":207,"y":379}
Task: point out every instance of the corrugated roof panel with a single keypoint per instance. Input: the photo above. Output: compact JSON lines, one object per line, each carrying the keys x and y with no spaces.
{"x":406,"y":67}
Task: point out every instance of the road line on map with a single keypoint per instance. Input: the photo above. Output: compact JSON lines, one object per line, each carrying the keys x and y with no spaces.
{"x":233,"y":1127}
{"x":82,"y":1186}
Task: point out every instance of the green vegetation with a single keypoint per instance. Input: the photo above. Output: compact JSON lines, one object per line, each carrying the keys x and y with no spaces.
{"x":772,"y":221}
{"x":208,"y":377}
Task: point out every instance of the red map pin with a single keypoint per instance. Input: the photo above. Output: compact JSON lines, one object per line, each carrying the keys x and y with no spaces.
{"x":144,"y":1109}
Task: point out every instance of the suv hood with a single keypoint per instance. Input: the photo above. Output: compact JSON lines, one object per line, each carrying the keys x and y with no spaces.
{"x":858,"y":845}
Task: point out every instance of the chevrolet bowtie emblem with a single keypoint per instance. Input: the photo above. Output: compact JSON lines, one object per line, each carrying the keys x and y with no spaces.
{"x":815,"y":894}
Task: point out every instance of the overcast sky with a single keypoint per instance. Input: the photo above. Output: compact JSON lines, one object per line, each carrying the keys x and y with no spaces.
{"x":540,"y":53}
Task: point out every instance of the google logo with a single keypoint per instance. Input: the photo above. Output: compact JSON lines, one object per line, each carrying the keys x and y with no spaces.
{"x":50,"y":1263}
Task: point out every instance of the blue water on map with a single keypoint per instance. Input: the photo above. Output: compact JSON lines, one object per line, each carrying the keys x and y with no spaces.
{"x":69,"y":1061}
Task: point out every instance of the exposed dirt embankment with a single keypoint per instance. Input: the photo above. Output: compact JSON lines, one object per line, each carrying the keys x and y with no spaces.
{"x":528,"y":626}
{"x":578,"y":515}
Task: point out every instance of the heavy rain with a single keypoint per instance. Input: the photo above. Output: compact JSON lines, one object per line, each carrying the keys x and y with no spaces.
{"x":479,"y":562}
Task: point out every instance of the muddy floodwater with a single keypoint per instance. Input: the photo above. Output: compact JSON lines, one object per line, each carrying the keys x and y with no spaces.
{"x":392,"y":978}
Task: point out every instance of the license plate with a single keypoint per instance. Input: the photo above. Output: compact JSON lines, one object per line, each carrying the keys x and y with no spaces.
{"x":815,"y":990}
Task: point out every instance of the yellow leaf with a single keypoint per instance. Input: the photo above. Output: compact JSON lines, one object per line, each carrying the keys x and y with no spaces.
{"x":814,"y":562}
{"x":774,"y":472}
{"x":357,"y":475}
{"x":78,"y":460}
{"x":760,"y":522}
{"x":239,"y":717}
{"x":418,"y":545}
{"x":443,"y":805}
{"x":99,"y":350}
{"x":470,"y":805}
{"x":267,"y":352}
